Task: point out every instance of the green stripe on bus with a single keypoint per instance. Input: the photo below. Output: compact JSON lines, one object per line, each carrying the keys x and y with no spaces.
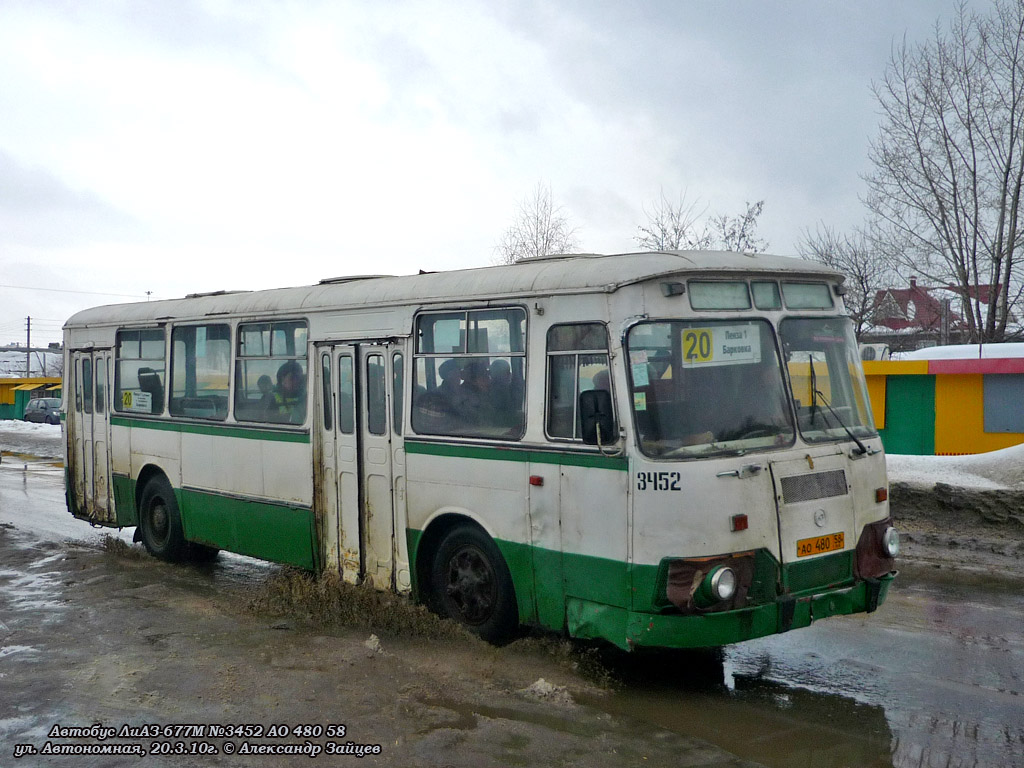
{"x":516,"y":453}
{"x":124,"y":499}
{"x":216,"y":430}
{"x":591,"y":597}
{"x":276,"y":532}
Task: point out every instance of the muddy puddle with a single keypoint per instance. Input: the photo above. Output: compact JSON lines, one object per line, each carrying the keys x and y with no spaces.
{"x":723,"y":698}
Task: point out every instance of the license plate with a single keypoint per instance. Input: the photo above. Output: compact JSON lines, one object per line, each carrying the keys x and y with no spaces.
{"x":818,"y":545}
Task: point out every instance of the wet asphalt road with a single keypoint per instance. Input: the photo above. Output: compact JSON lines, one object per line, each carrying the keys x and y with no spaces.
{"x":934,"y":678}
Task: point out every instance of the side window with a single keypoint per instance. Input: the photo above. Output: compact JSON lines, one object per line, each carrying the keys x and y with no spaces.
{"x":470,"y":373}
{"x":577,"y":361}
{"x":200,"y":369}
{"x":376,"y":402}
{"x":325,"y":376}
{"x":139,"y":371}
{"x":270,"y":372}
{"x":397,"y":380}
{"x":78,"y":385}
{"x":101,"y":385}
{"x":346,"y":396}
{"x":87,"y":383}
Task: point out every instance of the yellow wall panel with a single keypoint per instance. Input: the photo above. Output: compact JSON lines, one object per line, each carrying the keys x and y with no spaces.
{"x":960,"y":417}
{"x":903,"y":367}
{"x":876,"y":392}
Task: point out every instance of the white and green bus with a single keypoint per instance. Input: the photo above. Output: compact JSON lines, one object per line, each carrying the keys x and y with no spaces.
{"x":659,"y":449}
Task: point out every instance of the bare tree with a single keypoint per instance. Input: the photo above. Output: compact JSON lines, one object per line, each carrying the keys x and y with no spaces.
{"x":677,"y":226}
{"x":739,"y":233}
{"x":49,"y":364}
{"x":867,"y":270}
{"x":949,"y":161}
{"x":540,"y":229}
{"x":673,"y":226}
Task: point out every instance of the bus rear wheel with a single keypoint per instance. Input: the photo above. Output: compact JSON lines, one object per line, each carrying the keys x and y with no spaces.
{"x":470,"y":582}
{"x":160,"y":522}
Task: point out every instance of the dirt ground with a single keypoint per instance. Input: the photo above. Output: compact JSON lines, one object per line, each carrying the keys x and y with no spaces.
{"x":109,"y":636}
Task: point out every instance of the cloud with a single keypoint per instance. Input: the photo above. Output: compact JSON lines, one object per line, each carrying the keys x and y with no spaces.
{"x":38,"y":209}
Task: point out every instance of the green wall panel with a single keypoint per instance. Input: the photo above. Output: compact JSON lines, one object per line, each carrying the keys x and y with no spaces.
{"x":909,"y":415}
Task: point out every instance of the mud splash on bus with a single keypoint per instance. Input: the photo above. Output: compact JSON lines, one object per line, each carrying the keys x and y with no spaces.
{"x":326,"y":601}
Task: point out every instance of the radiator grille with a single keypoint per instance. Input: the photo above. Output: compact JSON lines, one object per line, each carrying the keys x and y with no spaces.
{"x":817,"y":485}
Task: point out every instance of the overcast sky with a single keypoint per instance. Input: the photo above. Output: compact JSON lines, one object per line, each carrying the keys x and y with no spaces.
{"x":194,"y":145}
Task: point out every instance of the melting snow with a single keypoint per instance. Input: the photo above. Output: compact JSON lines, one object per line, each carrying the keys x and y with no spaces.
{"x":996,"y":470}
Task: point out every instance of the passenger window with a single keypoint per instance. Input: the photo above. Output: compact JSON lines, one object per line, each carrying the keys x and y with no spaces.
{"x":139,"y":371}
{"x":78,"y":386}
{"x":346,"y":396}
{"x":87,"y":383}
{"x":101,"y":386}
{"x":397,"y":378}
{"x":469,"y":374}
{"x":200,"y":370}
{"x":376,"y":403}
{"x":270,"y":372}
{"x":577,"y":362}
{"x":325,"y":375}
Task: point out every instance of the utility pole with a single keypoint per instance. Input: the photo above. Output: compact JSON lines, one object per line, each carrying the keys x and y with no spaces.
{"x":28,"y":346}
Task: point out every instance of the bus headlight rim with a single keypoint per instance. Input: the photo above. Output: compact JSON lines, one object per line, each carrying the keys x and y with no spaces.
{"x":723,"y":583}
{"x":891,"y":542}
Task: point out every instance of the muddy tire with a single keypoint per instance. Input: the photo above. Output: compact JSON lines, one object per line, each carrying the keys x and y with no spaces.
{"x":470,"y":582}
{"x":160,"y":522}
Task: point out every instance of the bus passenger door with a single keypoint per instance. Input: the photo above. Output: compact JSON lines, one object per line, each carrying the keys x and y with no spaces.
{"x":378,"y":540}
{"x":89,"y":423}
{"x":360,"y":459}
{"x":337,"y":461}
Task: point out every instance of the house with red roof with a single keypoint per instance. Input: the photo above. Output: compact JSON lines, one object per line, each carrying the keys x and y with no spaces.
{"x":920,"y":316}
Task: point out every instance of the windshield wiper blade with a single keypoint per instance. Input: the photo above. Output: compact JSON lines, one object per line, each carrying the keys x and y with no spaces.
{"x":814,"y":389}
{"x":861,"y":448}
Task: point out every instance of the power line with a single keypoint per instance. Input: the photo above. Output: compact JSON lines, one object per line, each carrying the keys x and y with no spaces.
{"x":88,"y":293}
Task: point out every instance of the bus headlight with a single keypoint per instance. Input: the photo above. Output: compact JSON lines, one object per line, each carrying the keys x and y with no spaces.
{"x":718,"y":586}
{"x":891,"y":542}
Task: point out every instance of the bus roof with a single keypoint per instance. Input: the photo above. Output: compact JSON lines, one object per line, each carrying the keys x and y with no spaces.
{"x":570,"y":273}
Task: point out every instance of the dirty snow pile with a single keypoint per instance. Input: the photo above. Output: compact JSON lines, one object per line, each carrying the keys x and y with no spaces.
{"x":43,"y":440}
{"x":996,"y":470}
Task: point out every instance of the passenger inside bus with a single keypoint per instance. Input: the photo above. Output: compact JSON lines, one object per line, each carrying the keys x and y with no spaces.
{"x":474,"y":400}
{"x":266,"y":387}
{"x":480,"y":397}
{"x":451,"y":378}
{"x":289,"y":403}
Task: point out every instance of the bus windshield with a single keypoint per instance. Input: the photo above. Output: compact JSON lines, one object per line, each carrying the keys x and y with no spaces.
{"x":707,"y":387}
{"x":829,"y":390}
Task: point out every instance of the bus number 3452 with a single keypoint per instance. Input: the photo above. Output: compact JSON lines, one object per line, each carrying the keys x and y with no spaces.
{"x":657,"y":481}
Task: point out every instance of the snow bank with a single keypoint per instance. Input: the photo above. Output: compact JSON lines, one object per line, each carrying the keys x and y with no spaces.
{"x":10,"y":426}
{"x":997,"y":470}
{"x":43,"y":440}
{"x":963,"y":352}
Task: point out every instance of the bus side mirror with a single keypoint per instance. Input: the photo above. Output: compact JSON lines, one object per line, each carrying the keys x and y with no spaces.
{"x":596,"y":413}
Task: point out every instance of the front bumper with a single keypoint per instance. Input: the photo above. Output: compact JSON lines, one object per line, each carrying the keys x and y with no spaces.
{"x":725,"y":627}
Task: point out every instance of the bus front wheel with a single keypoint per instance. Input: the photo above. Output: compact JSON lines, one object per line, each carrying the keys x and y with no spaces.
{"x":471,"y":583}
{"x":160,"y":522}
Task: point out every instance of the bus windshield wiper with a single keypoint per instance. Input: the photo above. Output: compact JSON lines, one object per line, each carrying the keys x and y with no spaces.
{"x":814,"y":389}
{"x":861,"y":448}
